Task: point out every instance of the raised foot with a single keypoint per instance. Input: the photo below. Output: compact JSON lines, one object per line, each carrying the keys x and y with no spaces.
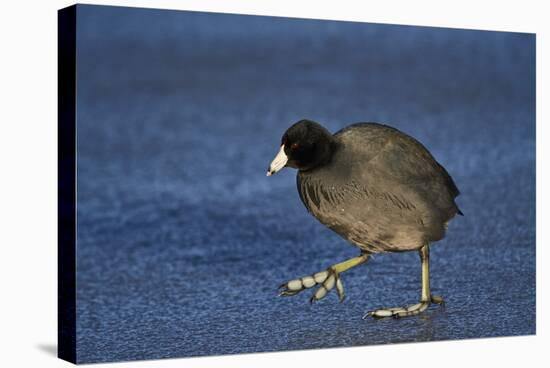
{"x":411,"y":310}
{"x":326,"y":280}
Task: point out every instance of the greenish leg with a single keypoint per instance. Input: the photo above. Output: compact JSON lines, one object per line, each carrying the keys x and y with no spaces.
{"x":326,"y":280}
{"x":426,"y":298}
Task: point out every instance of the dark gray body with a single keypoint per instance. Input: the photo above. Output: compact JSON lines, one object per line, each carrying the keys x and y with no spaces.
{"x":382,"y":190}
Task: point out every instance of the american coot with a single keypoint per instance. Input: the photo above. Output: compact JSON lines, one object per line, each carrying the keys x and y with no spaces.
{"x":375,"y":186}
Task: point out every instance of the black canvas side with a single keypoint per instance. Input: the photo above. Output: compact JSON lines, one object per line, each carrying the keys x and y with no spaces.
{"x":66,"y":181}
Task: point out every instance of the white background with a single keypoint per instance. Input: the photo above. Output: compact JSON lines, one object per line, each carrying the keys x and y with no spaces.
{"x":28,"y":182}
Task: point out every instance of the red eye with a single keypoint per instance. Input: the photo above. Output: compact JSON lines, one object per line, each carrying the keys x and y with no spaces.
{"x":293,"y":146}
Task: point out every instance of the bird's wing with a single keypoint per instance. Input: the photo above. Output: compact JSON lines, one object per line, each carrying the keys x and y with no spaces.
{"x":402,"y":157}
{"x":408,"y":165}
{"x":384,"y":156}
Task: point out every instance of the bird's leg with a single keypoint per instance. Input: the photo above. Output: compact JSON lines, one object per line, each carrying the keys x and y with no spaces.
{"x":426,"y":298}
{"x":326,"y":280}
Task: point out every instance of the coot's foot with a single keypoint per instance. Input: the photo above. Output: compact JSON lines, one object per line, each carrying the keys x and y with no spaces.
{"x":411,"y":310}
{"x":325,"y":279}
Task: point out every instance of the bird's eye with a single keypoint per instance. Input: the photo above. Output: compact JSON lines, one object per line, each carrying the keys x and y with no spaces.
{"x":293,"y":146}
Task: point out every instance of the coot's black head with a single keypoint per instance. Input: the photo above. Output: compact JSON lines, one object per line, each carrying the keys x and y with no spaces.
{"x":304,"y":146}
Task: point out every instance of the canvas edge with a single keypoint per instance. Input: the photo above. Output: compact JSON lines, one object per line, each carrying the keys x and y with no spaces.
{"x":66,"y":184}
